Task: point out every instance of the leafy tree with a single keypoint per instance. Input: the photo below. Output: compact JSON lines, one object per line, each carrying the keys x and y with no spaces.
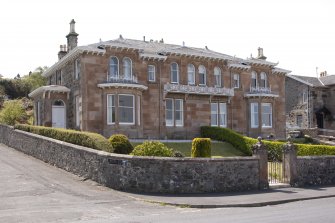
{"x":12,"y":112}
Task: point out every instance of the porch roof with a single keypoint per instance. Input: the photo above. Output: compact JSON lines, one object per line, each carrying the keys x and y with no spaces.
{"x":50,"y":89}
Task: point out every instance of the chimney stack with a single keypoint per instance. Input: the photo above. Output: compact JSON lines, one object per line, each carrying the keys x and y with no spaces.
{"x":62,"y":51}
{"x":260,"y":54}
{"x":72,"y":37}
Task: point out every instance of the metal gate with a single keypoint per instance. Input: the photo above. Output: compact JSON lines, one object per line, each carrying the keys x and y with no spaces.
{"x":275,"y":166}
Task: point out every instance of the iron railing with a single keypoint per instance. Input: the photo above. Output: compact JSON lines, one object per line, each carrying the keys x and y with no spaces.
{"x":190,"y":89}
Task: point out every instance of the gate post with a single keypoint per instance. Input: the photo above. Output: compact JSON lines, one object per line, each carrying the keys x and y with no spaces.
{"x":290,"y":162}
{"x":259,"y":150}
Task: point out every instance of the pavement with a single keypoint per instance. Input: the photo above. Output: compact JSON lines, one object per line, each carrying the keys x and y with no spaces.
{"x":273,"y":196}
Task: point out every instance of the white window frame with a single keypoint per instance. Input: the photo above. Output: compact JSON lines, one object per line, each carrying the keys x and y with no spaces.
{"x":174,"y":71}
{"x":191,"y":74}
{"x":269,"y":115}
{"x":254,"y":118}
{"x":169,"y":122}
{"x":179,"y":110}
{"x":151,"y":73}
{"x":110,"y":109}
{"x":119,"y":107}
{"x":77,"y":66}
{"x":220,"y":114}
{"x":138,"y":110}
{"x":217,"y":77}
{"x":38,"y":116}
{"x":202,"y":74}
{"x":304,"y":97}
{"x":236,"y":80}
{"x":110,"y":75}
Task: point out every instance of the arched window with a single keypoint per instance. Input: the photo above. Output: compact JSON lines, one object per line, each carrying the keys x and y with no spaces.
{"x":127,"y":68}
{"x":254,"y":79}
{"x":191,"y":74}
{"x":264,"y":80}
{"x":202,"y":75}
{"x":113,"y":67}
{"x":174,"y":73}
{"x":58,"y":103}
{"x":217,"y":76}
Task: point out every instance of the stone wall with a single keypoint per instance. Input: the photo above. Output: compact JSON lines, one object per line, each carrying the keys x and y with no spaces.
{"x":139,"y":174}
{"x":315,"y":170}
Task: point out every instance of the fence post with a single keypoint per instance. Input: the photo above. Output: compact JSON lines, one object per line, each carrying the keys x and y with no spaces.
{"x":290,"y":162}
{"x":259,"y":150}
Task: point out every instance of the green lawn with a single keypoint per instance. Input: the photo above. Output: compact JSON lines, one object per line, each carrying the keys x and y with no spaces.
{"x":219,"y":149}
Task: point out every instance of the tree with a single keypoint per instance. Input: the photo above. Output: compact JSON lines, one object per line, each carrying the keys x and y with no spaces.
{"x":35,"y":79}
{"x":12,"y":112}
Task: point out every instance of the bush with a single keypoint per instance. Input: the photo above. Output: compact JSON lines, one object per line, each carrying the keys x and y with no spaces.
{"x":245,"y":144}
{"x":87,"y":139}
{"x":201,"y":147}
{"x":12,"y":112}
{"x":121,"y":144}
{"x":240,"y":142}
{"x":152,"y":148}
{"x":177,"y":153}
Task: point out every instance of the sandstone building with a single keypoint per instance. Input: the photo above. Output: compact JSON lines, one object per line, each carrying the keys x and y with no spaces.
{"x":150,"y":89}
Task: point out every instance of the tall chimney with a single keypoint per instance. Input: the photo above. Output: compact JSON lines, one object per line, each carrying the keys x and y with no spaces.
{"x":260,"y":54}
{"x":72,"y":37}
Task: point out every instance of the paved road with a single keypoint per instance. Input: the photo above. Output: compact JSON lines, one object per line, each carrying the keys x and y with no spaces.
{"x":32,"y":191}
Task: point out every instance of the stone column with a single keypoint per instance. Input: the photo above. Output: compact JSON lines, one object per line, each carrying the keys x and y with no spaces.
{"x":290,"y":163}
{"x":259,"y":150}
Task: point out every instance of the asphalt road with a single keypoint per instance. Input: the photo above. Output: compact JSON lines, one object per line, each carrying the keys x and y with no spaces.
{"x":32,"y":191}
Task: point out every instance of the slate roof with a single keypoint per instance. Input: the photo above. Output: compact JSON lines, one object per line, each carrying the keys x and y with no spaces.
{"x":158,"y":50}
{"x":316,"y":81}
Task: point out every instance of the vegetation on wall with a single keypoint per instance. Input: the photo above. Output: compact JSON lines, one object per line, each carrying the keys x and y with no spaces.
{"x":16,"y":111}
{"x":121,"y":144}
{"x":87,"y":139}
{"x":152,"y":148}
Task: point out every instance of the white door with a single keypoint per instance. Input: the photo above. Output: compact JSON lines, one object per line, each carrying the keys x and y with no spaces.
{"x":58,"y":117}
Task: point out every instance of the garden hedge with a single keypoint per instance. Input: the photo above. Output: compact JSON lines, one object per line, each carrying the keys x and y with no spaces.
{"x":244,"y":143}
{"x":87,"y":139}
{"x":201,"y":147}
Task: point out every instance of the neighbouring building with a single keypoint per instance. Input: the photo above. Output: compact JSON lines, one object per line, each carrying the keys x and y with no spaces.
{"x":310,"y":101}
{"x":150,"y":89}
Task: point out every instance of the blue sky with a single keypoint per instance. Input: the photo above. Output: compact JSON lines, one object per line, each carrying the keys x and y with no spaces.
{"x":298,"y":34}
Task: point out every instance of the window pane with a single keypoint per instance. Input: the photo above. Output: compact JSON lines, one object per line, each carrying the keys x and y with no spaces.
{"x":151,"y":73}
{"x":217,"y":75}
{"x":266,"y":115}
{"x":223,"y":114}
{"x":179,"y":112}
{"x":113,"y":67}
{"x":214,"y":114}
{"x":191,"y":74}
{"x":202,"y":75}
{"x":174,"y":73}
{"x":169,"y":112}
{"x":126,"y":109}
{"x":236,"y":81}
{"x":127,"y":68}
{"x":110,"y":109}
{"x":254,"y":115}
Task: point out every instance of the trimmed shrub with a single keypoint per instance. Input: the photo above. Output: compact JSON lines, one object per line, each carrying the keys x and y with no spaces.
{"x":121,"y":144}
{"x":201,"y":147}
{"x":240,"y":142}
{"x":87,"y":139}
{"x":245,"y":144}
{"x":152,"y":148}
{"x":177,"y":153}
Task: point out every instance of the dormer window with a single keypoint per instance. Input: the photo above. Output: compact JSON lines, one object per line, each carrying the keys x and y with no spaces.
{"x":77,"y":69}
